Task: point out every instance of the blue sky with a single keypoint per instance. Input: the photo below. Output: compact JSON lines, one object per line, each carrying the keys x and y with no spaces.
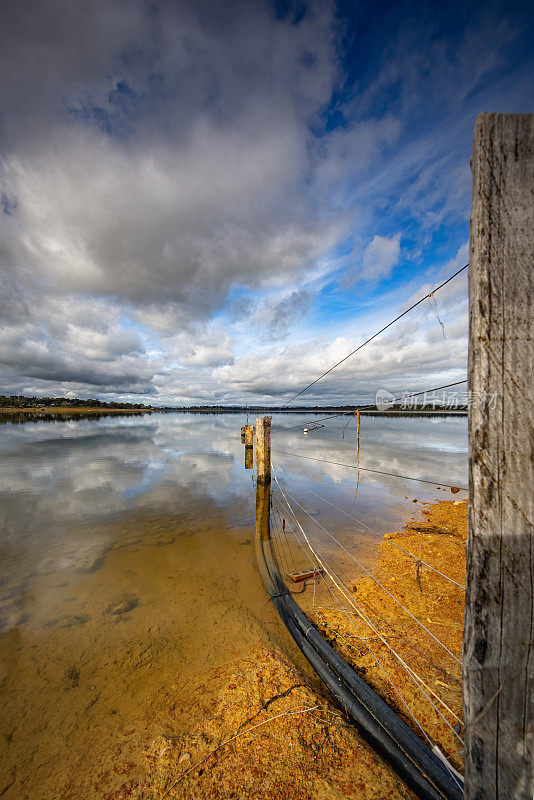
{"x":214,"y":203}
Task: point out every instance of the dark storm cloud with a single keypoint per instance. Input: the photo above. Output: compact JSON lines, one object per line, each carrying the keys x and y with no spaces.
{"x":73,"y":340}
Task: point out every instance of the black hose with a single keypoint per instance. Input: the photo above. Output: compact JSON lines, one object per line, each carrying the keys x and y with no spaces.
{"x":418,"y":766}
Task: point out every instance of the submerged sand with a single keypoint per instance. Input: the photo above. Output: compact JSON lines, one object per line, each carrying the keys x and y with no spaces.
{"x":108,"y":656}
{"x":120,"y":673}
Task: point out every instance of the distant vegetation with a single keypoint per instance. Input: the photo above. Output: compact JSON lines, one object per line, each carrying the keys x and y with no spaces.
{"x":401,"y":409}
{"x":19,"y":401}
{"x":215,"y":409}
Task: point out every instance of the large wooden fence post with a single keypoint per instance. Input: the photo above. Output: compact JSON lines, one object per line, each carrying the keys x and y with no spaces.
{"x":498,"y":656}
{"x":263,"y":477}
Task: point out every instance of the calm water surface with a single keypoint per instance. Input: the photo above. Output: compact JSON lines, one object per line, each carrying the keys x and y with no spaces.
{"x":128,"y":583}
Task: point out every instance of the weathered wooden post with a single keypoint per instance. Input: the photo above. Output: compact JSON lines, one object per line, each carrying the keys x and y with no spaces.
{"x":243,"y":433}
{"x":263,"y":477}
{"x":249,"y":436}
{"x":498,"y":652}
{"x":249,"y":446}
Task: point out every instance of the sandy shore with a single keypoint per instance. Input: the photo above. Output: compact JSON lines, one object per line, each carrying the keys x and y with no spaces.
{"x":272,"y":736}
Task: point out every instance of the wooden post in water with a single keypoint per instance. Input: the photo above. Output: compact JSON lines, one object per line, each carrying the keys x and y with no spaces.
{"x":498,"y":651}
{"x":249,"y":436}
{"x":243,"y":433}
{"x":263,"y":477}
{"x":249,"y":446}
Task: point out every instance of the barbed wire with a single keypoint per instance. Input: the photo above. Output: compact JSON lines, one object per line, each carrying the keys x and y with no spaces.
{"x":368,"y":469}
{"x":373,"y":409}
{"x":388,"y":541}
{"x":370,"y":339}
{"x":350,"y":599}
{"x":375,"y":579}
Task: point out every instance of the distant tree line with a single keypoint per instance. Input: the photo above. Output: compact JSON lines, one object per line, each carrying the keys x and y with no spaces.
{"x":214,"y":409}
{"x":19,"y":401}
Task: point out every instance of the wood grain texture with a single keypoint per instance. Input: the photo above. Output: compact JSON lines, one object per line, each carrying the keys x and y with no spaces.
{"x":498,"y":631}
{"x":263,"y":448}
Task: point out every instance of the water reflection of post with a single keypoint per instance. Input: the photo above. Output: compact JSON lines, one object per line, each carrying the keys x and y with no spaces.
{"x":357,"y":450}
{"x":249,"y":446}
{"x":263,"y":477}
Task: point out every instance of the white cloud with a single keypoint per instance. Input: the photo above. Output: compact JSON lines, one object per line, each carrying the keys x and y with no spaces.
{"x":411,"y":356}
{"x":379,"y":258}
{"x":209,"y":346}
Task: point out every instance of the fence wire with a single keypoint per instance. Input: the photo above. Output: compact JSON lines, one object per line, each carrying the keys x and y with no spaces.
{"x":288,"y":526}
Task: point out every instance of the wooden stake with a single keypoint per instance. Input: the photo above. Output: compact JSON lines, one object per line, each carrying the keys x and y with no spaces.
{"x":297,"y":577}
{"x":498,"y":657}
{"x":248,"y":438}
{"x":263,"y":449}
{"x":263,"y":477}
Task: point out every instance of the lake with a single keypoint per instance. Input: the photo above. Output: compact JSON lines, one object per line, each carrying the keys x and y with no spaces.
{"x":128,"y":581}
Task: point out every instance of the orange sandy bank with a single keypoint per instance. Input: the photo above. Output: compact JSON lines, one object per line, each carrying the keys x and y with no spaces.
{"x":378,"y":635}
{"x":269,"y":735}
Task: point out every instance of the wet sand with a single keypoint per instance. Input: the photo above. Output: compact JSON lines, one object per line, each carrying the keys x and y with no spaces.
{"x":270,"y":736}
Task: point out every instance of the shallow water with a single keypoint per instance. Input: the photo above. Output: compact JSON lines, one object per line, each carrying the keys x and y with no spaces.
{"x":128,"y":580}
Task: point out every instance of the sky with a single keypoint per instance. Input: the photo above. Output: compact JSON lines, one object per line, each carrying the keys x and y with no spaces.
{"x":213,"y":202}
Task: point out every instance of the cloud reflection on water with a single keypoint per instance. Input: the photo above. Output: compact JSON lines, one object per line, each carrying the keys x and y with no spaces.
{"x":61,"y":482}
